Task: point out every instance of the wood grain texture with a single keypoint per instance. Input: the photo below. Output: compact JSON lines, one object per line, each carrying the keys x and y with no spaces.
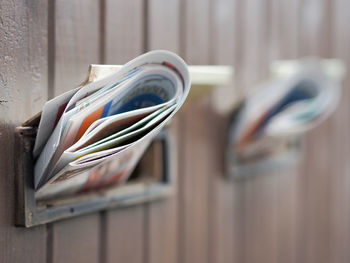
{"x":124,"y":30}
{"x":279,"y":191}
{"x":161,"y":217}
{"x":194,"y":245}
{"x":339,"y":183}
{"x":193,"y":186}
{"x":23,"y":57}
{"x":125,"y":236}
{"x":23,"y":90}
{"x":314,"y":24}
{"x":268,"y":201}
{"x":293,"y":215}
{"x":76,"y":43}
{"x":161,"y":227}
{"x":283,"y":45}
{"x":224,"y":49}
{"x":76,"y":240}
{"x":163,"y":22}
{"x":290,"y":215}
{"x":314,"y":195}
{"x":255,"y":34}
{"x":259,"y":193}
{"x":225,"y":214}
{"x":224,"y":196}
{"x":195,"y":31}
{"x":161,"y":241}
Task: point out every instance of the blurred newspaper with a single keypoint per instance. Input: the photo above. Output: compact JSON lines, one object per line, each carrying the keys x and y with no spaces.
{"x":268,"y":121}
{"x":94,"y":135}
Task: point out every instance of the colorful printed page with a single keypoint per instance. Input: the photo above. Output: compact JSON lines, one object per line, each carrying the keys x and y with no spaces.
{"x":107,"y":124}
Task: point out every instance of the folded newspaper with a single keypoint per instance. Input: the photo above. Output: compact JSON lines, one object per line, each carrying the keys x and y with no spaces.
{"x":94,"y":135}
{"x":268,"y":122}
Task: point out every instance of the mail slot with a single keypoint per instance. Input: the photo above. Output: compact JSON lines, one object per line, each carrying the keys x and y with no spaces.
{"x":150,"y":181}
{"x":78,"y":154}
{"x":266,"y":128}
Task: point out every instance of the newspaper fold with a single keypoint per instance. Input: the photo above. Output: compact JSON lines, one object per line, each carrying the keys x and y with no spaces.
{"x":94,"y":135}
{"x":268,"y":122}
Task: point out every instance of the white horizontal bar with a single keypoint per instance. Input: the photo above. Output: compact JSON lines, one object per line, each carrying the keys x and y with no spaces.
{"x":211,"y":75}
{"x":335,"y":68}
{"x":200,"y":75}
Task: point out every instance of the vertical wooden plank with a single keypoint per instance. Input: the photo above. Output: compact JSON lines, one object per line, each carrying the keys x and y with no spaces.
{"x":284,"y":26}
{"x":161,"y":221}
{"x":291,"y":216}
{"x":76,"y":45}
{"x":269,"y":31}
{"x":76,"y":42}
{"x":314,"y":23}
{"x":223,"y":15}
{"x":125,"y":228}
{"x":255,"y":41}
{"x":283,"y":44}
{"x":239,"y":189}
{"x":314,"y":198}
{"x":126,"y":235}
{"x":259,"y":193}
{"x":269,"y":200}
{"x":193,"y":178}
{"x":23,"y":90}
{"x":286,"y":202}
{"x":260,"y":218}
{"x":225,"y":206}
{"x":163,"y":19}
{"x":193,"y":186}
{"x":124,"y":30}
{"x":314,"y":195}
{"x":23,"y":59}
{"x":161,"y":228}
{"x":195,"y":35}
{"x":339,"y":182}
{"x":76,"y":240}
{"x":225,"y":48}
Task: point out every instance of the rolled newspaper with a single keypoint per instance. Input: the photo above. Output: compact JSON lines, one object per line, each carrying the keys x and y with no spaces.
{"x":94,"y":135}
{"x":269,"y":121}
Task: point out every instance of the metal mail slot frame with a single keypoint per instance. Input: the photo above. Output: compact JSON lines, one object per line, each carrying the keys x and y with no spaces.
{"x":30,"y":213}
